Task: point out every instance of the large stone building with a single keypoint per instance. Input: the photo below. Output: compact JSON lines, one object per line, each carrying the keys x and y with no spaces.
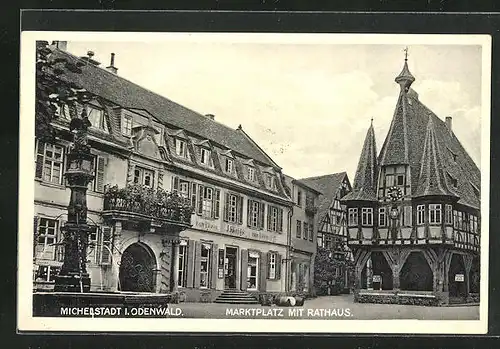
{"x":303,"y":227}
{"x":238,"y":236}
{"x":414,"y":212}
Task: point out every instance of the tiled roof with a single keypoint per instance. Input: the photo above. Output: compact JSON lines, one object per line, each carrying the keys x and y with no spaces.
{"x":365,"y":180}
{"x":436,"y":157}
{"x":432,"y":178}
{"x":329,"y":187}
{"x":124,"y":93}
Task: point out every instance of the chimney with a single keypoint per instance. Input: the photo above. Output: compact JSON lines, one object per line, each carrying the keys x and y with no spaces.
{"x":111,"y":66}
{"x":88,"y":58}
{"x":448,"y":124}
{"x":62,"y":45}
{"x":210,"y":116}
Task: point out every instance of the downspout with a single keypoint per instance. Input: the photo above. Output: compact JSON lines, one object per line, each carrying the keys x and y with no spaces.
{"x":288,"y":252}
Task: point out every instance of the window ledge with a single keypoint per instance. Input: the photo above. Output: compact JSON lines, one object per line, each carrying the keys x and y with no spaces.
{"x":49,"y":184}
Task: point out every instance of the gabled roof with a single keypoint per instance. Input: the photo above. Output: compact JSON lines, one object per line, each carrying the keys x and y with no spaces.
{"x":125,"y":93}
{"x":365,"y":180}
{"x":329,"y":186}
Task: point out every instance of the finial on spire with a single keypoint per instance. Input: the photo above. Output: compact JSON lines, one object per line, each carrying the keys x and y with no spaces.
{"x":406,"y":53}
{"x":371,"y":121}
{"x":405,"y":78}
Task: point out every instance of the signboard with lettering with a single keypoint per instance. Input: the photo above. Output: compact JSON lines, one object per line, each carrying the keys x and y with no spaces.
{"x":377,"y":278}
{"x":459,"y":277}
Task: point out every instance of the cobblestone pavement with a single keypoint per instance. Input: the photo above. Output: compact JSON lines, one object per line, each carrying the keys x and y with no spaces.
{"x":330,"y":307}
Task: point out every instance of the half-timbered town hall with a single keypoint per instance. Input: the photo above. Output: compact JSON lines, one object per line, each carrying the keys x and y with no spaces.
{"x":414,"y":212}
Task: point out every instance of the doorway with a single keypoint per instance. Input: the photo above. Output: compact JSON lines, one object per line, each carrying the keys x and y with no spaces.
{"x":137,"y":269}
{"x":230,"y":267}
{"x":253,"y":272}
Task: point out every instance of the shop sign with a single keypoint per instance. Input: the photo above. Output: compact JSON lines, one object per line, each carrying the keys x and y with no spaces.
{"x":459,"y":277}
{"x":206,"y":226}
{"x":377,"y":278}
{"x":249,"y":234}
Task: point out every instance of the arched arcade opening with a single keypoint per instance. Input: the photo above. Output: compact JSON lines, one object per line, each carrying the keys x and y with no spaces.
{"x":137,"y":269}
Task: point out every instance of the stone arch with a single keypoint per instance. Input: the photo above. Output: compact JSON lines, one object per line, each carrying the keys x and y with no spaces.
{"x":381,"y":267}
{"x":137,"y":270}
{"x":416,"y":273}
{"x":457,"y":289}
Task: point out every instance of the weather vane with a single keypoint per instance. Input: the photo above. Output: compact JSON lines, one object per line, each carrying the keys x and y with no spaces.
{"x":406,"y":53}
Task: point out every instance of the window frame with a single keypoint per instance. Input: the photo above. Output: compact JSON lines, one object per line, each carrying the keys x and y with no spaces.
{"x":228,"y":165}
{"x":126,"y":126}
{"x":382,"y":213}
{"x":103,"y":126}
{"x":181,"y":148}
{"x":367,"y":216}
{"x":182,"y":269}
{"x":435,"y":214}
{"x":205,"y":259}
{"x":448,"y":214}
{"x":143,"y":173}
{"x":250,"y":169}
{"x":205,"y":156}
{"x":41,"y":155}
{"x":272,"y":265}
{"x":298,"y":229}
{"x":421,"y":214}
{"x":353,"y":217}
{"x":207,"y":202}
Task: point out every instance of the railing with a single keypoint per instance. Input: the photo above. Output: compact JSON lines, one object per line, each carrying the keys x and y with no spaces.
{"x":150,"y":203}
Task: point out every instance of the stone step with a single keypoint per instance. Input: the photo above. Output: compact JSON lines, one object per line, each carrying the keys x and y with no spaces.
{"x":236,"y":301}
{"x":236,"y":297}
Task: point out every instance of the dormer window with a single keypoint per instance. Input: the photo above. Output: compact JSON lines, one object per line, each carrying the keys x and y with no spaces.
{"x":181,"y":148}
{"x":228,"y":165}
{"x":127,"y":125}
{"x":205,"y":156}
{"x":270,"y":181}
{"x":96,"y":117}
{"x":453,"y":181}
{"x":250,"y":174}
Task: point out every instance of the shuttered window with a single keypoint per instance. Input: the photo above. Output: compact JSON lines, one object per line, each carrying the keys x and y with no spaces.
{"x":274,"y":219}
{"x":205,"y":200}
{"x":104,"y":246}
{"x":255,"y":214}
{"x":98,"y":168}
{"x":233,"y":208}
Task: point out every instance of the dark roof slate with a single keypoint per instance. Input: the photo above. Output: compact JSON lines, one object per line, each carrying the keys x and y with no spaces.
{"x":329,"y":186}
{"x":126,"y":94}
{"x":365,"y":180}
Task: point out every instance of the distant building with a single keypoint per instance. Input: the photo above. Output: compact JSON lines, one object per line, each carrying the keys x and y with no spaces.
{"x":238,"y":238}
{"x":332,"y":223}
{"x":414,"y":211}
{"x":303,"y":227}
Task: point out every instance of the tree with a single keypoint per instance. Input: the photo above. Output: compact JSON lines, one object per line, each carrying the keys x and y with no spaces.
{"x":51,"y":90}
{"x":329,"y":268}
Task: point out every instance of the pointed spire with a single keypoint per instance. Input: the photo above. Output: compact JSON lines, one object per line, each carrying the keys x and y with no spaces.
{"x":405,"y":78}
{"x":432,"y":178}
{"x":365,"y":180}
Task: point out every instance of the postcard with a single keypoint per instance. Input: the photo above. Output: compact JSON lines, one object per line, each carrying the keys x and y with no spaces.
{"x":254,"y":183}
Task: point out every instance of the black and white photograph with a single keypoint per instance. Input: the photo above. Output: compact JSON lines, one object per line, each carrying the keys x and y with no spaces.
{"x":225,"y":182}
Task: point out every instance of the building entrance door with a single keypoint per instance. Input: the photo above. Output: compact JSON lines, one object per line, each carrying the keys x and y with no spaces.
{"x":230,"y":268}
{"x":253,"y":272}
{"x":137,"y":269}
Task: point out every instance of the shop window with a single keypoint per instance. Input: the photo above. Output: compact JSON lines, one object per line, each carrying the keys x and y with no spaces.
{"x":252,"y":271}
{"x":181,"y":274}
{"x":46,"y":273}
{"x":272,"y":265}
{"x":49,"y":162}
{"x":205,"y":265}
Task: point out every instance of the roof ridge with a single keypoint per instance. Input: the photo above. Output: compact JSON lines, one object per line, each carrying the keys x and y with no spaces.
{"x":325,"y":175}
{"x":239,"y":129}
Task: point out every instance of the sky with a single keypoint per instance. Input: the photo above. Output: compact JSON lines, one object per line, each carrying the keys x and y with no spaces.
{"x":308,"y":106}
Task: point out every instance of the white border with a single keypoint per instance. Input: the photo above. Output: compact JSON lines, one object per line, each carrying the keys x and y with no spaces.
{"x":26,"y":196}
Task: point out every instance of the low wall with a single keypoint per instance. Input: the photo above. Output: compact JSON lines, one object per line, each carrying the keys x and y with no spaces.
{"x":424,"y":299}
